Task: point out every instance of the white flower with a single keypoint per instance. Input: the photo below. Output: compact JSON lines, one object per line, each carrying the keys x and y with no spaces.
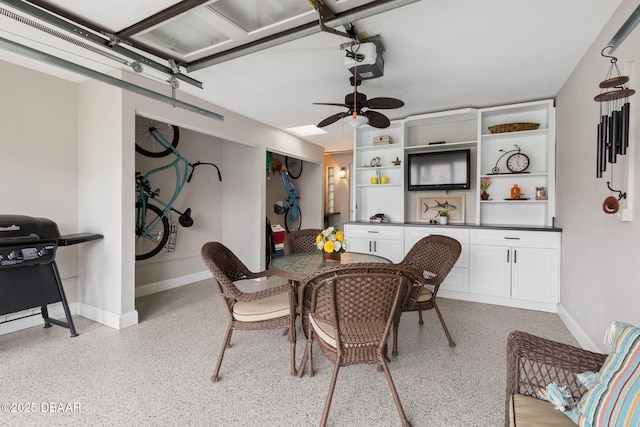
{"x":332,"y":237}
{"x":320,"y":244}
{"x":337,"y":246}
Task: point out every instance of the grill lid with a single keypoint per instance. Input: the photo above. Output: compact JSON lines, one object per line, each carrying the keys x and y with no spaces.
{"x":21,"y":227}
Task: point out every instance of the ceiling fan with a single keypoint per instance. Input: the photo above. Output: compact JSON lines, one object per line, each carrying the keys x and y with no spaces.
{"x":361,"y":109}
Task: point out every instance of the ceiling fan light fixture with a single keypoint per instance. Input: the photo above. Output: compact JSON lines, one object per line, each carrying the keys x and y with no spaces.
{"x":355,"y":121}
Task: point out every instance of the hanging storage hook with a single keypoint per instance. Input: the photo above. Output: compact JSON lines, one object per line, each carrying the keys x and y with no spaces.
{"x":621,"y":195}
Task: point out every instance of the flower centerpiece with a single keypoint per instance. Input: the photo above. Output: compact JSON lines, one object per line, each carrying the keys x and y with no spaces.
{"x":485,"y":183}
{"x":331,"y":242}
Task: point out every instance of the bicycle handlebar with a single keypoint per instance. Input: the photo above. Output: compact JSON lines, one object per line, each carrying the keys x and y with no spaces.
{"x":193,"y":166}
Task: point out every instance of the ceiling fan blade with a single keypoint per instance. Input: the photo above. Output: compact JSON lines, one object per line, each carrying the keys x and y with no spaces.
{"x":332,"y":119}
{"x":382,"y":103}
{"x":332,"y":103}
{"x":377,"y":120}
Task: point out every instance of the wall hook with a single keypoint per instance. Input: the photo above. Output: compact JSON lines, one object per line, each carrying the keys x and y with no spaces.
{"x":621,"y":195}
{"x":613,"y":58}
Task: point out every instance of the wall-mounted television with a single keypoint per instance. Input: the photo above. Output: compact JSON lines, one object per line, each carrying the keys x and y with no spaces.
{"x":440,"y":170}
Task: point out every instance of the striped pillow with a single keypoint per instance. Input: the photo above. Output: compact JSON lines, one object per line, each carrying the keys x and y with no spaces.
{"x":614,"y":399}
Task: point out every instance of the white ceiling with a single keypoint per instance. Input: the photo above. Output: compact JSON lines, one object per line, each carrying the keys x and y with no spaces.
{"x":439,"y":55}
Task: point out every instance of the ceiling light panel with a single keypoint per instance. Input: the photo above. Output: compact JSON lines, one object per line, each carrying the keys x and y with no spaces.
{"x":186,"y":35}
{"x":253,"y":15}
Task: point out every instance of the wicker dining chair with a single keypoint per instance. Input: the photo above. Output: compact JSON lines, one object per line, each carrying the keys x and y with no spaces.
{"x":435,"y":256}
{"x":272,"y":308}
{"x":350,"y":313}
{"x":301,"y":241}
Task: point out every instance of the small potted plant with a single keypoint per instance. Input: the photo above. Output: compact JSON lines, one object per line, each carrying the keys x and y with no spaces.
{"x":485,"y":183}
{"x":444,"y":217}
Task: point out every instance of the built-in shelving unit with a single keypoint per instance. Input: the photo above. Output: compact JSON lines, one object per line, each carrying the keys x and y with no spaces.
{"x":538,"y":145}
{"x":372,"y":198}
{"x":466,"y":128}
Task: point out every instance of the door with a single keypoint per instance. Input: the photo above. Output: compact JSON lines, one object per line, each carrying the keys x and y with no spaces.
{"x":535,"y":275}
{"x":491,"y":267}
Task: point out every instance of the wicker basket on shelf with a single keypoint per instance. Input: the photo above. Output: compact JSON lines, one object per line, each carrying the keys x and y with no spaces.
{"x":513,"y":127}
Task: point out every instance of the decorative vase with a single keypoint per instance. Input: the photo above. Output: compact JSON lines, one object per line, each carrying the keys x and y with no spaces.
{"x":484,"y":195}
{"x":331,"y":256}
{"x":444,"y":219}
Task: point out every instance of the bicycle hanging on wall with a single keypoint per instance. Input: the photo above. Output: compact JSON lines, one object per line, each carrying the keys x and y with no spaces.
{"x":156,"y":139}
{"x":290,"y":208}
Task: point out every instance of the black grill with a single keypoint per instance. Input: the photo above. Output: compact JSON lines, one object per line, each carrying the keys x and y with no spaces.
{"x":29,"y":276}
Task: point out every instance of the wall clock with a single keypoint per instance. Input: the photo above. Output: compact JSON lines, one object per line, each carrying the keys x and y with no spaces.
{"x":517,"y":162}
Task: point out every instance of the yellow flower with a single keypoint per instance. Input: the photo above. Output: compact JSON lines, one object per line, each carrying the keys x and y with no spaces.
{"x":340,"y":236}
{"x":318,"y":238}
{"x":328,"y":246}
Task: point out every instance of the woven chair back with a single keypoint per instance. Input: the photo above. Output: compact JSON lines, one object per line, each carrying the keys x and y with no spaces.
{"x":360,"y":301}
{"x":225,"y":267}
{"x":435,"y":256}
{"x":301,"y":241}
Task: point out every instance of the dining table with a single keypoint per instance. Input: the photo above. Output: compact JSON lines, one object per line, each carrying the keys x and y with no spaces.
{"x":297,"y":267}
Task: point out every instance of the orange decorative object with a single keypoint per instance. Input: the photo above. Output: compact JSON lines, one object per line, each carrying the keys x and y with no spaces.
{"x":515,"y":191}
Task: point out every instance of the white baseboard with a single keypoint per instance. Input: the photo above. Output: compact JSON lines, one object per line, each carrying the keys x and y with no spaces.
{"x":113,"y":320}
{"x":163,"y":285}
{"x":578,"y":333}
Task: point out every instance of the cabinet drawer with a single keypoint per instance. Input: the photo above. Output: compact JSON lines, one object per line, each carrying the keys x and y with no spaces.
{"x":516,"y":238}
{"x":413,"y":234}
{"x":374,"y":232}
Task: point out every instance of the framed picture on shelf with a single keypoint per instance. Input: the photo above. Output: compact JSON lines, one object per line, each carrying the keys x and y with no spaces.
{"x":429,"y":208}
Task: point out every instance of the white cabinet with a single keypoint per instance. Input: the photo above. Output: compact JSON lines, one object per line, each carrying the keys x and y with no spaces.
{"x":383,"y":240}
{"x":522,"y":266}
{"x":538,"y":145}
{"x":373,"y":161}
{"x":458,"y":278}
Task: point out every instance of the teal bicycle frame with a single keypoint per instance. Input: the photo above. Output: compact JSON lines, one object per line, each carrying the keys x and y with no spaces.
{"x":143,"y":186}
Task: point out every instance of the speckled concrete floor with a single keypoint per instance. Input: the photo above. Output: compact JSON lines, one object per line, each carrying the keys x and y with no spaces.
{"x":158,"y":372}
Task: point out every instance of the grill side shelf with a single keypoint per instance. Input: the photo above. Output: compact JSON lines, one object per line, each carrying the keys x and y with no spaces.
{"x":74,"y":239}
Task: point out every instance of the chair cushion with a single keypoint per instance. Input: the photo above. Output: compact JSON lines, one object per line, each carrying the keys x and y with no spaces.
{"x":263,"y":309}
{"x":363,"y":333}
{"x":324,"y":330}
{"x":527,"y":411}
{"x":614,"y":399}
{"x":425,"y":295}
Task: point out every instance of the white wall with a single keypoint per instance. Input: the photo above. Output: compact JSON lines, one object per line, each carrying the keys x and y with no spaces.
{"x":600,"y":253}
{"x":38,"y":157}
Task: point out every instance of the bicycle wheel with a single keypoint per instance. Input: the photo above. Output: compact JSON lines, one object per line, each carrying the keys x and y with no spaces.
{"x":149,"y":245}
{"x":294,"y":166}
{"x":292,"y":219}
{"x":147,"y":145}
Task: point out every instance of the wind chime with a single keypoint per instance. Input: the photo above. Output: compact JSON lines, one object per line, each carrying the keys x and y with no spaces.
{"x":613,"y":129}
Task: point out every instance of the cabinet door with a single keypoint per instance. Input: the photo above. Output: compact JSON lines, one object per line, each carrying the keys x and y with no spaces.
{"x":391,"y":249}
{"x":363,"y":246}
{"x":535,"y":274}
{"x":490,"y":270}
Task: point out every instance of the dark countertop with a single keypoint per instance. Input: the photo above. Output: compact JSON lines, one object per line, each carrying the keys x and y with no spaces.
{"x":465,"y":225}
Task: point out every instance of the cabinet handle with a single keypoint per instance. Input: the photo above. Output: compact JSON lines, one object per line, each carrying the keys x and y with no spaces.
{"x":374,"y":232}
{"x":375,"y":246}
{"x":369,"y":245}
{"x":512,"y":238}
{"x":508,"y":256}
{"x":515,"y":256}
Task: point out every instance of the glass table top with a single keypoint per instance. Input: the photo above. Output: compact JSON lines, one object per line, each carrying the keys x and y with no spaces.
{"x":299,"y":266}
